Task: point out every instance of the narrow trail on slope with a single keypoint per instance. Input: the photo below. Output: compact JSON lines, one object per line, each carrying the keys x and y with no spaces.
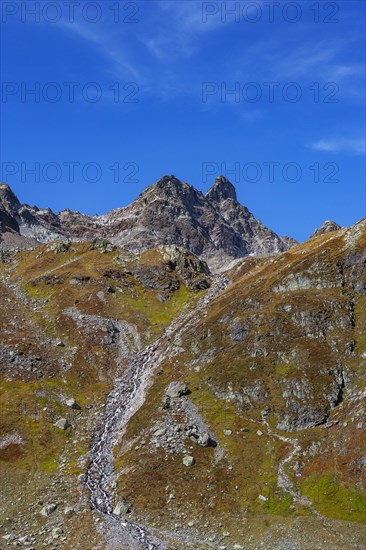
{"x":122,"y":403}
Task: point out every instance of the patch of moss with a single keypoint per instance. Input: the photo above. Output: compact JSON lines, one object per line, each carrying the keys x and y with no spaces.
{"x":334,"y":499}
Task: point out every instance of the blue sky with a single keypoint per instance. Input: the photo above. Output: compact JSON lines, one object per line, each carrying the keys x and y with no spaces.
{"x":269,"y":94}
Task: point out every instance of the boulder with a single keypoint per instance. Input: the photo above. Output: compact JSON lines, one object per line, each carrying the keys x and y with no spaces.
{"x":59,"y":343}
{"x":8,"y":537}
{"x":103,"y":245}
{"x":62,"y":424}
{"x":176,"y":389}
{"x":56,"y":531}
{"x":69,"y":511}
{"x":188,"y":460}
{"x":72,"y":403}
{"x":121,"y":509}
{"x":48,"y":509}
{"x":204,"y":440}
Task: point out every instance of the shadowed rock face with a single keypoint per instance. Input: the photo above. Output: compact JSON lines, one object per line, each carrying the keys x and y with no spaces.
{"x":170,"y":212}
{"x":8,"y":201}
{"x":9,"y":206}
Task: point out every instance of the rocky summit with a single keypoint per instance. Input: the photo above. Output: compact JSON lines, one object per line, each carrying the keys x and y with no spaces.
{"x":214,"y":226}
{"x":152,"y":400}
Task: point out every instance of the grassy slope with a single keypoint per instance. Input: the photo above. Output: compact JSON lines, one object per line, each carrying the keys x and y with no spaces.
{"x":32,"y":402}
{"x":330,"y":463}
{"x":211,"y":493}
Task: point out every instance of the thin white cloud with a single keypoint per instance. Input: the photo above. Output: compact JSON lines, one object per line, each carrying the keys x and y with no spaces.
{"x":163,"y":53}
{"x":105,"y":43}
{"x":353,"y":146}
{"x":307,"y":61}
{"x":177,"y":29}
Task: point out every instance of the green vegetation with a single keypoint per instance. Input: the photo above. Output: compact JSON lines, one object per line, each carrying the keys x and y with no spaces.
{"x":334,"y":499}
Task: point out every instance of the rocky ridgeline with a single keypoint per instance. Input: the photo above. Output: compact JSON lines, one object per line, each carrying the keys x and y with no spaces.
{"x":214,"y":226}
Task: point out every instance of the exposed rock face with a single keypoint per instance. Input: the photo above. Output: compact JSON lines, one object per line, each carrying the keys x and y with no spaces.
{"x":30,"y":222}
{"x":292,"y":328}
{"x":221,"y":190}
{"x":176,"y":389}
{"x":214,"y":226}
{"x":103,"y":245}
{"x":121,"y":509}
{"x":9,"y":206}
{"x":327,"y":227}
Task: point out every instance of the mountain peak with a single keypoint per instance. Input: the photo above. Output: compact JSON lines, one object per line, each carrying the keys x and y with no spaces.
{"x":170,"y":187}
{"x":168,"y":180}
{"x":327,"y":227}
{"x":5,"y":190}
{"x":8,"y":199}
{"x":221,"y":190}
{"x":168,"y":212}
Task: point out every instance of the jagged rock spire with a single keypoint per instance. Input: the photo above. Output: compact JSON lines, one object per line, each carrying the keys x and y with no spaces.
{"x":8,"y":200}
{"x":221,"y":190}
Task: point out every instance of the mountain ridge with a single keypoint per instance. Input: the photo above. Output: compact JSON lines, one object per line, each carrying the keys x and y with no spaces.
{"x":212,"y":225}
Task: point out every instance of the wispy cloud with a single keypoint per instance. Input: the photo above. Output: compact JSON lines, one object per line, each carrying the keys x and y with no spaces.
{"x":150,"y":52}
{"x":353,"y":146}
{"x":166,"y":53}
{"x":319,"y":60}
{"x":102,"y":39}
{"x":177,"y":29}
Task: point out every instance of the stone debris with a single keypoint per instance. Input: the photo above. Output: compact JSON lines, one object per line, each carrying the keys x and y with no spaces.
{"x":62,"y":424}
{"x":48,"y":509}
{"x":188,"y":460}
{"x":73,"y":404}
{"x":121,"y":509}
{"x":176,"y":389}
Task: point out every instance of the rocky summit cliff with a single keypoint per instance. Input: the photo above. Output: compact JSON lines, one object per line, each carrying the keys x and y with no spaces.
{"x":214,"y":226}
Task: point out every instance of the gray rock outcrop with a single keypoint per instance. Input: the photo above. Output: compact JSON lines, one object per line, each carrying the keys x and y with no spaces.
{"x":326,"y":227}
{"x":214,"y":227}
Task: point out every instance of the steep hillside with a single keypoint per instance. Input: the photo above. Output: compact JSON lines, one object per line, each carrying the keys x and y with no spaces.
{"x":72,"y":316}
{"x":149,"y":404}
{"x":274,"y":412}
